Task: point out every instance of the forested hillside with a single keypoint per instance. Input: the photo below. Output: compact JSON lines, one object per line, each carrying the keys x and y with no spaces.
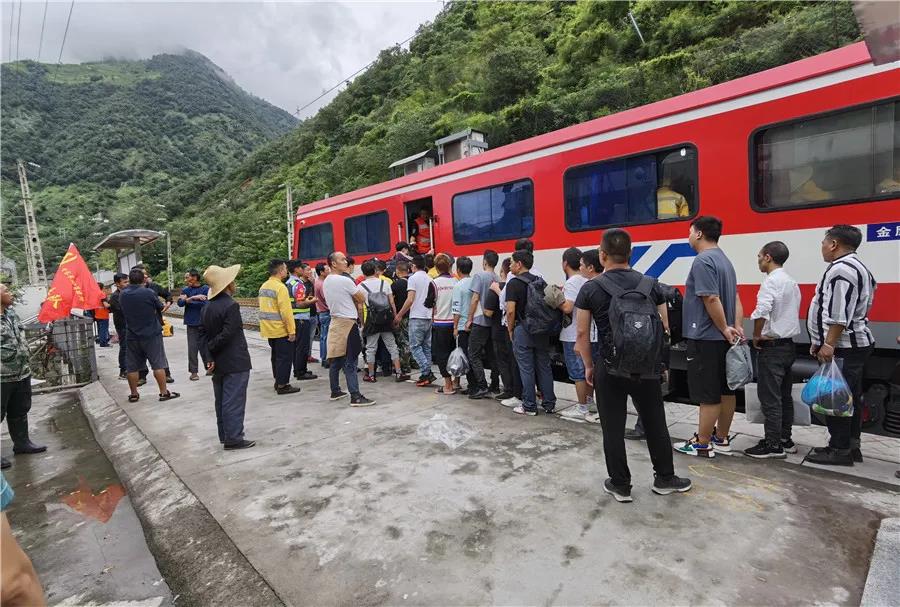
{"x":117,"y":140}
{"x":510,"y":69}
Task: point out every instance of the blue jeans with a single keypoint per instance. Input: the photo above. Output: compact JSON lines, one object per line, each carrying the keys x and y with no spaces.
{"x":103,"y":331}
{"x":313,"y":325}
{"x":534,"y":367}
{"x":230,"y":390}
{"x":420,"y":343}
{"x":324,"y":323}
{"x":574,"y":364}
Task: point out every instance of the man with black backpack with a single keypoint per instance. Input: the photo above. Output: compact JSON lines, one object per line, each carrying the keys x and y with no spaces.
{"x":628,"y":309}
{"x":531,"y":323}
{"x":379,"y":323}
{"x":419,"y":303}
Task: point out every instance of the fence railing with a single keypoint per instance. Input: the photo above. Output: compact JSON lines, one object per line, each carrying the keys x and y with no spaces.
{"x":62,"y":353}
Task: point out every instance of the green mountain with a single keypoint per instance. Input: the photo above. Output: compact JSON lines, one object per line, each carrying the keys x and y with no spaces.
{"x":120,"y":144}
{"x":510,"y":69}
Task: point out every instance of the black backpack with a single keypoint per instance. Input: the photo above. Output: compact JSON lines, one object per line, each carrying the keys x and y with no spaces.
{"x":675,"y":307}
{"x":637,"y":332}
{"x":379,"y":317}
{"x":540,"y":319}
{"x":431,"y":297}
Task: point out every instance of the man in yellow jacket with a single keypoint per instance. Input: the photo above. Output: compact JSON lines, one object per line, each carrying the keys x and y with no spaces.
{"x":276,"y":323}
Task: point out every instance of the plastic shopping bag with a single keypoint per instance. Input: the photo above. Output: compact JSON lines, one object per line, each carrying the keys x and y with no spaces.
{"x":827,"y":392}
{"x":457,"y":363}
{"x":738,"y":366}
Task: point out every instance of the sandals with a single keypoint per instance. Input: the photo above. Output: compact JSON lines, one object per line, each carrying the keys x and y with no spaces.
{"x":169,"y":395}
{"x":442,"y":391}
{"x":133,"y":398}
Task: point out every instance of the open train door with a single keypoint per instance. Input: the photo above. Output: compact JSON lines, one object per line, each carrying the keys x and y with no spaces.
{"x":411,"y":211}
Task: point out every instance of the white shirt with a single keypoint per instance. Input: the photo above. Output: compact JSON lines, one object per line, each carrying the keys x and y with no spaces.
{"x":570,"y":292}
{"x":534,"y":272}
{"x":778,"y":301}
{"x":339,"y":292}
{"x":419,"y":282}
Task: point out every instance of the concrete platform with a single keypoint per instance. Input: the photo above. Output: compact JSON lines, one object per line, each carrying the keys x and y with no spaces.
{"x":337,"y":505}
{"x":72,"y":518}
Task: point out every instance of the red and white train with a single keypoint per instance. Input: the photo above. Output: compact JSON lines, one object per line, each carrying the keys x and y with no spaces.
{"x":778,"y":155}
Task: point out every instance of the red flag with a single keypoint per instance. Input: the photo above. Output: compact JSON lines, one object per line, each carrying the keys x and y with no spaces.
{"x":73,"y":287}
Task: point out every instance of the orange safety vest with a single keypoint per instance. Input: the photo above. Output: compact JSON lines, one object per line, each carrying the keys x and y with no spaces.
{"x":423,"y":239}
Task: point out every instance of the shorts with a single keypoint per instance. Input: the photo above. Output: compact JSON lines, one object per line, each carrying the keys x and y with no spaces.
{"x":574,"y":364}
{"x":145,"y":349}
{"x":706,"y":371}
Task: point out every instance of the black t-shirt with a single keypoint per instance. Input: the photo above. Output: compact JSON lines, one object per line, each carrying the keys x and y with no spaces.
{"x":492,"y":302}
{"x":592,"y":297}
{"x":398,"y":288}
{"x":517,"y":291}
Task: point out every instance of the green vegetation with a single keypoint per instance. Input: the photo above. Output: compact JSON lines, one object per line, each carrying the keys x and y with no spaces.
{"x":511,"y":69}
{"x":121,"y":144}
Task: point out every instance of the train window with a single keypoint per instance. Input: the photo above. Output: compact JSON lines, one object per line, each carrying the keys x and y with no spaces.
{"x":500,"y":212}
{"x":316,"y":242}
{"x":848,"y":156}
{"x":646,"y":188}
{"x":368,"y":234}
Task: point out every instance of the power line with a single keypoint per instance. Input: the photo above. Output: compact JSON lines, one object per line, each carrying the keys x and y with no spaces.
{"x":347,"y":78}
{"x":18,"y":29}
{"x":43,"y":23}
{"x":12,"y":18}
{"x":65,"y":33}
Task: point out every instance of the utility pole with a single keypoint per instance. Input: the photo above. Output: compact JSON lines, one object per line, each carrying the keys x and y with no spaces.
{"x":169,"y":278}
{"x":35,"y":255}
{"x":29,"y":260}
{"x":290,"y":221}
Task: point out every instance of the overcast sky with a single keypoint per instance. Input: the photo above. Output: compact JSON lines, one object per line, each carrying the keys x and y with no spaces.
{"x":288,"y":53}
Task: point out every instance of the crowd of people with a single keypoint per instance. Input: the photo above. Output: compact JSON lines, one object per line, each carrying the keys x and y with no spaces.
{"x":418,"y":311}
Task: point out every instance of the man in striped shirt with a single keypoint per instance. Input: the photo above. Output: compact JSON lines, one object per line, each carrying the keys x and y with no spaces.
{"x":838,"y":328}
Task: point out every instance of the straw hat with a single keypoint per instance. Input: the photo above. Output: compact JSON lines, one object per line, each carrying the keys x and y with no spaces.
{"x":218,"y":277}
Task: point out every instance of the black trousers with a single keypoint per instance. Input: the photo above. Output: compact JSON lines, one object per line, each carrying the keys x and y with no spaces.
{"x":505,"y":363}
{"x":612,"y":395}
{"x":773,"y":373}
{"x":282,"y":359}
{"x":15,"y":397}
{"x":196,"y":345}
{"x":845,"y":431}
{"x":478,"y":353}
{"x":462,"y":340}
{"x":442,"y":344}
{"x":301,"y":347}
{"x":123,"y":345}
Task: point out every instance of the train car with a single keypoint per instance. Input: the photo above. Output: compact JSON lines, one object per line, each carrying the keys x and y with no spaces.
{"x":779,"y":155}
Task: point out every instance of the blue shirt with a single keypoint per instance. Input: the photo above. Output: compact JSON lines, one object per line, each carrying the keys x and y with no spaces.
{"x":141,"y":308}
{"x":6,"y":493}
{"x":462,"y":297}
{"x":193,"y":309}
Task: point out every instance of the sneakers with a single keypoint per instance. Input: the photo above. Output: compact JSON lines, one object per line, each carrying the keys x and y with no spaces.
{"x":361,"y":401}
{"x":479,"y":394}
{"x":504,"y":396}
{"x":511,"y":402}
{"x":762,"y":450}
{"x":425,"y":381}
{"x":694,"y":447}
{"x":622,"y":494}
{"x":788,"y":446}
{"x":592,"y":418}
{"x":401,"y":377}
{"x":287,"y":389}
{"x":338,"y":395}
{"x":721,"y":445}
{"x":307,"y":376}
{"x":670,"y":484}
{"x":370,"y":379}
{"x":244,"y":444}
{"x":827,"y":456}
{"x":633,"y":434}
{"x":523,"y":411}
{"x":574,"y":414}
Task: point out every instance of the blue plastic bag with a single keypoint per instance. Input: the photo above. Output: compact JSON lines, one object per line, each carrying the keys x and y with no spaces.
{"x":828,"y":393}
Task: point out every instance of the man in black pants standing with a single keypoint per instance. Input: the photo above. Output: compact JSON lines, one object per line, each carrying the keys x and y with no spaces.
{"x":838,"y":324}
{"x":612,"y":390}
{"x":479,"y":325}
{"x":115,"y":307}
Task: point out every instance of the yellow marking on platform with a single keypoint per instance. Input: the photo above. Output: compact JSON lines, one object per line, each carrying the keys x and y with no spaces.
{"x":737,"y":478}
